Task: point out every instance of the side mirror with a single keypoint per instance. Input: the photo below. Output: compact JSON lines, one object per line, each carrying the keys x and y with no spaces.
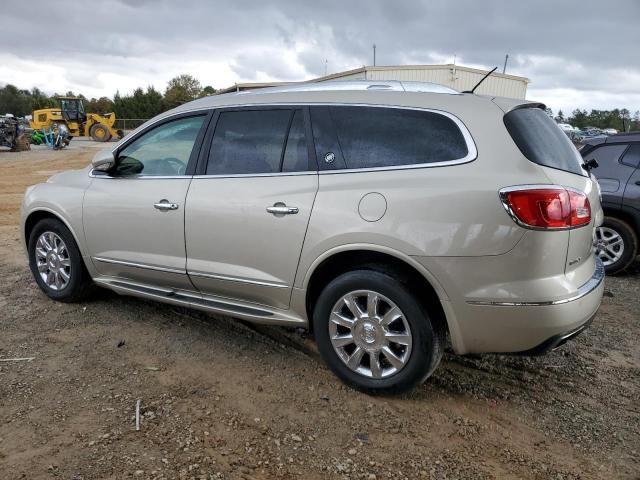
{"x":103,"y":160}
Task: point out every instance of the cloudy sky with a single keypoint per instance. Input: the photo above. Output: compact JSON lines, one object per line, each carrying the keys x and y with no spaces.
{"x":577,"y":54}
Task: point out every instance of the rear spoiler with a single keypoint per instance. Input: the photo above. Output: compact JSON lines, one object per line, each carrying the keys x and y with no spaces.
{"x":509,"y":104}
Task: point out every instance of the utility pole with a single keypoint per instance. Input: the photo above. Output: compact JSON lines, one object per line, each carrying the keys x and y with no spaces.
{"x":374,"y":54}
{"x":506,"y":59}
{"x":326,"y":62}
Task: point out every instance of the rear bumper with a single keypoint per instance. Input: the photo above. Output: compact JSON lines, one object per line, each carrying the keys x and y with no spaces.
{"x":557,"y":340}
{"x":522,"y":326}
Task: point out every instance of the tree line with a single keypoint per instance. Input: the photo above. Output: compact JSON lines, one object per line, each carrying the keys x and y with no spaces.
{"x":619,"y":118}
{"x":184,"y":88}
{"x":138,"y":104}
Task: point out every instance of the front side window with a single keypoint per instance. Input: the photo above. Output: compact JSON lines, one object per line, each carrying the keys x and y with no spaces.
{"x":162,"y":151}
{"x":258,"y":141}
{"x":372,"y":137}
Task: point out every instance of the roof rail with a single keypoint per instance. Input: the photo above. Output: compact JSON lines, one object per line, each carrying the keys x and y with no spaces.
{"x":356,"y":85}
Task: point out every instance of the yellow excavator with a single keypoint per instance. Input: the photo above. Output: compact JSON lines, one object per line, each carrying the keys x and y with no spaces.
{"x":72,"y":114}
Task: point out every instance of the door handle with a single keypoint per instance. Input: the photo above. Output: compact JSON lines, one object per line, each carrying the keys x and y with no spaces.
{"x":280,"y":208}
{"x":638,"y":182}
{"x":165,"y":205}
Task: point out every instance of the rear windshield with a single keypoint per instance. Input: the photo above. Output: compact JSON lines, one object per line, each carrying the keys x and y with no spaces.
{"x":541,"y":141}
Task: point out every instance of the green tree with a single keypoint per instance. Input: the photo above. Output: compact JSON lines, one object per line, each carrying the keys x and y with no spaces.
{"x":140,"y":104}
{"x":208,"y":90}
{"x":40,"y":99}
{"x":181,"y":89}
{"x":14,"y":101}
{"x":100,"y":105}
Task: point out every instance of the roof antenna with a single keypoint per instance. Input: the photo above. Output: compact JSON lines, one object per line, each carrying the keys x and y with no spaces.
{"x":483,"y":79}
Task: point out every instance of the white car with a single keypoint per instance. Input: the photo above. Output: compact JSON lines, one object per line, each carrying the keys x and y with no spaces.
{"x":610,"y":131}
{"x":387,"y":217}
{"x":565,"y":127}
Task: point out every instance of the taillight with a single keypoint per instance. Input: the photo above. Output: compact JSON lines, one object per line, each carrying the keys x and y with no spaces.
{"x":546,"y":208}
{"x":580,"y":208}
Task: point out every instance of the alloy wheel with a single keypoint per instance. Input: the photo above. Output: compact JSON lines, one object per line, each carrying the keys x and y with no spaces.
{"x":609,"y":245}
{"x":53,"y":261}
{"x":370,"y":334}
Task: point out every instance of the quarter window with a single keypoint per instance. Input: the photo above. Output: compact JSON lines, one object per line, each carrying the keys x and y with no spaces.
{"x":632,"y":157}
{"x":258,"y":141}
{"x":370,"y":137}
{"x":163,"y":151}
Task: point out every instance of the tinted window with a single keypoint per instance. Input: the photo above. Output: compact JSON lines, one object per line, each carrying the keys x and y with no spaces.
{"x":164,"y":150}
{"x":372,"y":137}
{"x":632,"y":157}
{"x":328,"y":150}
{"x":296,"y":155}
{"x":541,"y":141}
{"x":249,"y":141}
{"x":607,"y":157}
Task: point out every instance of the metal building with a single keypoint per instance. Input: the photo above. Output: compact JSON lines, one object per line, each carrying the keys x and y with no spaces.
{"x":454,"y":76}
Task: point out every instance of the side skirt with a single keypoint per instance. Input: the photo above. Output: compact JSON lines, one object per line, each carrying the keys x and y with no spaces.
{"x":244,"y":310}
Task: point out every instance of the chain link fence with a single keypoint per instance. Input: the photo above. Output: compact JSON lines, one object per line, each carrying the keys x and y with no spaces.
{"x":128,"y":124}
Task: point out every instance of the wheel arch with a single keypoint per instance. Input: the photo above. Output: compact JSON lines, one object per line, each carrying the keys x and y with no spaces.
{"x":34,"y":216}
{"x":349,"y":257}
{"x":626,"y":214}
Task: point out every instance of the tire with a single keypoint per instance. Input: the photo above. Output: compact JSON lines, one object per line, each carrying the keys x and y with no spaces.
{"x":421,"y":356}
{"x":617,"y":245}
{"x":100,"y":133}
{"x":78,"y":284}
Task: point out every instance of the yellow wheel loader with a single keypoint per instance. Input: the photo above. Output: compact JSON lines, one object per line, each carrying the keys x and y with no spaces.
{"x":72,"y":114}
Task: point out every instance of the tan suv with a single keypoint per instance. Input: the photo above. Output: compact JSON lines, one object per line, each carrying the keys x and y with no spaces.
{"x":384,"y":216}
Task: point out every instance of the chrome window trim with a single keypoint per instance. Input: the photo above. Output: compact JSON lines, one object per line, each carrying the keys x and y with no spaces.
{"x":237,"y":279}
{"x":249,"y":175}
{"x":584,"y":290}
{"x":139,"y":177}
{"x":138,"y":265}
{"x":472,"y":151}
{"x":502,"y":194}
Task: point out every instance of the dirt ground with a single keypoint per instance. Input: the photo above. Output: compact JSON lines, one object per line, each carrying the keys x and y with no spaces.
{"x":220,"y":399}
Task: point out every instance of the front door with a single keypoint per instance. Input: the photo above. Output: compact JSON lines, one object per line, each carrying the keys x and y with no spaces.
{"x":247,"y":214}
{"x":134,"y":216}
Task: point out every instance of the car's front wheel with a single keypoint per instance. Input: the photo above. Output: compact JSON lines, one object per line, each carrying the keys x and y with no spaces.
{"x":374,"y":334}
{"x":616,"y":244}
{"x":56,"y":263}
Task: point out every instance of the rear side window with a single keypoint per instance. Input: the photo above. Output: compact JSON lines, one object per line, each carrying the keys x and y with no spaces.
{"x":258,"y":141}
{"x":370,"y":137}
{"x":607,"y":157}
{"x":541,"y":141}
{"x":632,"y":157}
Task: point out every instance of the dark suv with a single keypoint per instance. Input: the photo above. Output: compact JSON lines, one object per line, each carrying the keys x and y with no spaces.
{"x":618,"y":174}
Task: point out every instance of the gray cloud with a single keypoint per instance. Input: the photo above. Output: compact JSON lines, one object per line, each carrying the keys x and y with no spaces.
{"x":571,"y":46}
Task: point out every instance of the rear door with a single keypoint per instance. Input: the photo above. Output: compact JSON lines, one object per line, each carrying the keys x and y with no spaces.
{"x":248,"y":210}
{"x":542,"y":142}
{"x":632,"y":190}
{"x":611,"y":173}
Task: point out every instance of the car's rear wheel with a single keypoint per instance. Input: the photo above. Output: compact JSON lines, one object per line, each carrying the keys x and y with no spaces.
{"x":617,"y":245}
{"x":374,"y":334}
{"x":56,"y":263}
